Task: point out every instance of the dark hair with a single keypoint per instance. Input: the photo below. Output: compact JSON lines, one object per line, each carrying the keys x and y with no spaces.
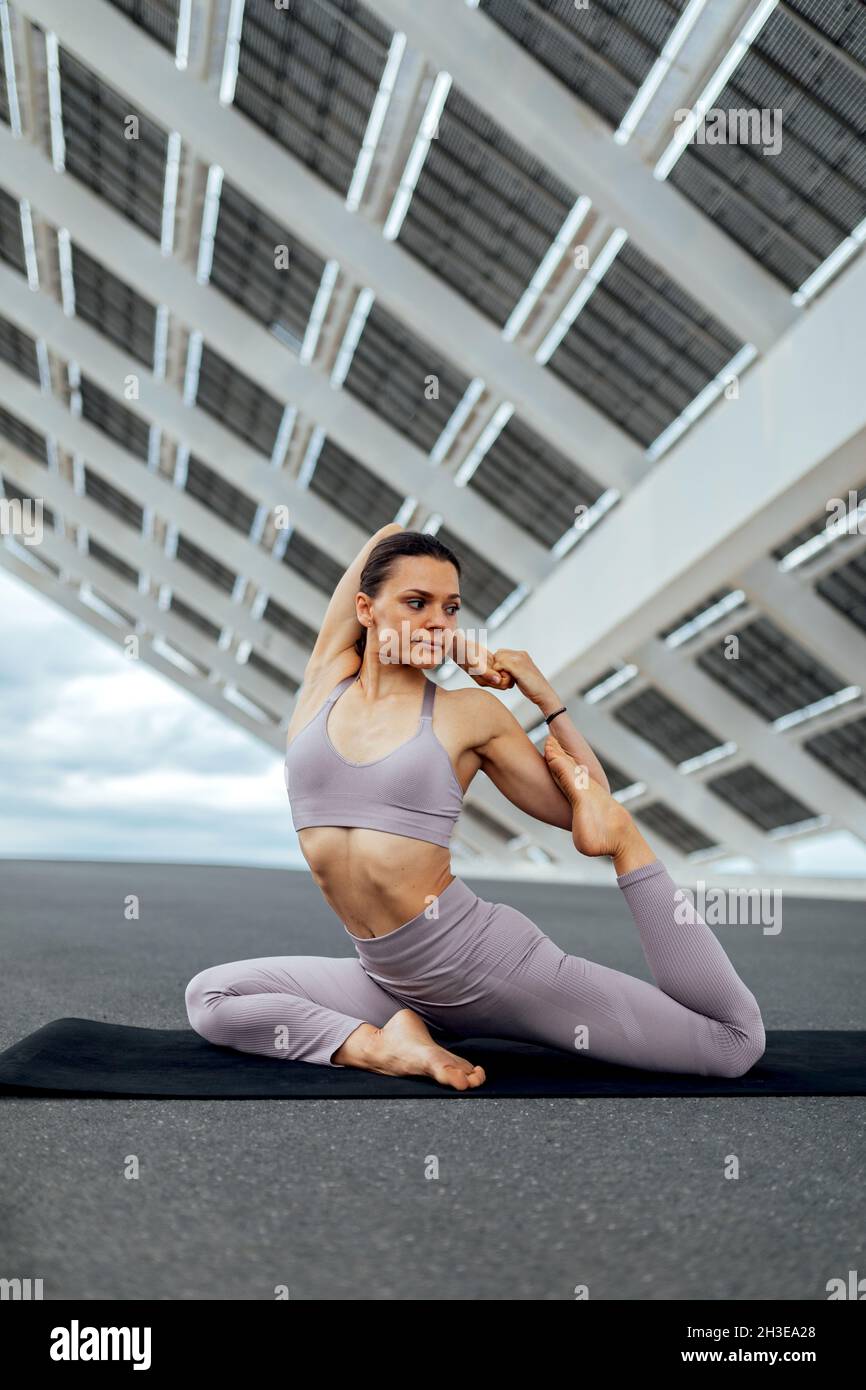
{"x":381,"y":559}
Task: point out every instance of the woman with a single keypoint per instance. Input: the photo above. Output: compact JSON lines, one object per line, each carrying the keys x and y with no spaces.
{"x":378,"y":760}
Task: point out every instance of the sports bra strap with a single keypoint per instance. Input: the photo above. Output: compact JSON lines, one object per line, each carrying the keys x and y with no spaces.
{"x":426,"y":707}
{"x":429,"y":697}
{"x":338,"y":690}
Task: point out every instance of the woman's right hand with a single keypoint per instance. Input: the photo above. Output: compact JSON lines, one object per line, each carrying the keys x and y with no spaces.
{"x":471,"y":655}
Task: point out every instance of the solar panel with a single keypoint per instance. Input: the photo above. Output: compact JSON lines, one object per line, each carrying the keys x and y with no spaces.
{"x":666,"y":726}
{"x":820,"y":523}
{"x":235,"y":400}
{"x":843,"y":751}
{"x":157,"y":17}
{"x":845,"y":588}
{"x":309,"y":77}
{"x":129,"y":173}
{"x":316,"y":566}
{"x":772,"y":673}
{"x":113,"y":307}
{"x":642,"y":349}
{"x":122,"y":425}
{"x":112,"y":561}
{"x":220,"y":496}
{"x":482,"y":584}
{"x":617,"y":779}
{"x":278,"y":287}
{"x":484,"y":211}
{"x":4,"y":97}
{"x":11,"y":240}
{"x":15,"y":493}
{"x":18,"y":349}
{"x":533,"y":484}
{"x":696,"y":611}
{"x":661,"y":819}
{"x":759,"y":798}
{"x":195,"y":619}
{"x":602,"y":51}
{"x":121,"y":507}
{"x":353,"y":489}
{"x":792,"y":208}
{"x":205,"y":565}
{"x":598,"y":680}
{"x":391,"y":372}
{"x":23,"y":437}
{"x":287,"y":623}
{"x":274,"y":673}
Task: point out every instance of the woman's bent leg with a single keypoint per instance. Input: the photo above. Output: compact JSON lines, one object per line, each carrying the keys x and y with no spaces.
{"x":299,"y":1007}
{"x":689,"y":964}
{"x":700,"y":1018}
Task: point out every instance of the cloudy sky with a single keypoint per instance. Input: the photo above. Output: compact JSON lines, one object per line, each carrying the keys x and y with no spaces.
{"x":102,"y":758}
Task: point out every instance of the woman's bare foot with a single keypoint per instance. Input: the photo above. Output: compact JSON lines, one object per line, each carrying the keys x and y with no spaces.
{"x":600,"y":824}
{"x":404,"y":1047}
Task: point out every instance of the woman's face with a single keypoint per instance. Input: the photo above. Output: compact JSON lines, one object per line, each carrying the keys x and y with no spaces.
{"x":415,"y":607}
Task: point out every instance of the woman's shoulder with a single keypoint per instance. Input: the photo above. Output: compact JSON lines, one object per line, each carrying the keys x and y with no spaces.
{"x":473,"y":711}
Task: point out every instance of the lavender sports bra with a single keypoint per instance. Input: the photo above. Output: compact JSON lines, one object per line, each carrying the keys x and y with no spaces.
{"x":412,"y":791}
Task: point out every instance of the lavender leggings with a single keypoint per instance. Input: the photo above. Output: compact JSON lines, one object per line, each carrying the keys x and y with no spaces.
{"x":475,"y":968}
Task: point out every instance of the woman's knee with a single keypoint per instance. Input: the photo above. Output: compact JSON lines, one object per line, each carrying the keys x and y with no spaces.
{"x":201,"y":997}
{"x":740,"y":1048}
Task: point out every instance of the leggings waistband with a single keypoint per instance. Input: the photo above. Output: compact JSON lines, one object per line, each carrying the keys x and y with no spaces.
{"x":456,"y":903}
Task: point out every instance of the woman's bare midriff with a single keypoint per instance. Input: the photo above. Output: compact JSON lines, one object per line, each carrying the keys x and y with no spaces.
{"x":372,"y":880}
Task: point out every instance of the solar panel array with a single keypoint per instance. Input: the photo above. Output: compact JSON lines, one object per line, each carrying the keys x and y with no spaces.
{"x":602,"y":52}
{"x":484,"y":210}
{"x":792,"y":207}
{"x":483,"y":214}
{"x":642,"y":349}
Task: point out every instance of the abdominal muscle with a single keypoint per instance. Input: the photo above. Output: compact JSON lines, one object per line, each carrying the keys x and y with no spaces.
{"x":374,"y":881}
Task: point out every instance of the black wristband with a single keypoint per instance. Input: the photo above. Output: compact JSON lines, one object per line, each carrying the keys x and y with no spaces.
{"x":548,"y":717}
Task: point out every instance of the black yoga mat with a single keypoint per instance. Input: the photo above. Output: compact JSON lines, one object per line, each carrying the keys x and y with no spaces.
{"x":81,"y":1057}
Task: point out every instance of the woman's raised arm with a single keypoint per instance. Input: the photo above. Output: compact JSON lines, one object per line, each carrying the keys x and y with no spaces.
{"x":340,"y":627}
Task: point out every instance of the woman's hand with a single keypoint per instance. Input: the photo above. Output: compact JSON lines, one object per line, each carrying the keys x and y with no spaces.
{"x":502,"y":669}
{"x":476,"y":660}
{"x":523,"y":672}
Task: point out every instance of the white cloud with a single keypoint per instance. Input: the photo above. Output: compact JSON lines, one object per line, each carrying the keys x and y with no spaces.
{"x":102,"y":757}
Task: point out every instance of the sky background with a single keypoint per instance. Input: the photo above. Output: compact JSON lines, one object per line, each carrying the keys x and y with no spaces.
{"x":103,"y":758}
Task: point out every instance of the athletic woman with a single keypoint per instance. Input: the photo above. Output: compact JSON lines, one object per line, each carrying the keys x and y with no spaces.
{"x":378,"y":760}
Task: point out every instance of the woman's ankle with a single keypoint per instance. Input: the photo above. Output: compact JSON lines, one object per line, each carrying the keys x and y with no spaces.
{"x":632,"y":852}
{"x":355,"y":1051}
